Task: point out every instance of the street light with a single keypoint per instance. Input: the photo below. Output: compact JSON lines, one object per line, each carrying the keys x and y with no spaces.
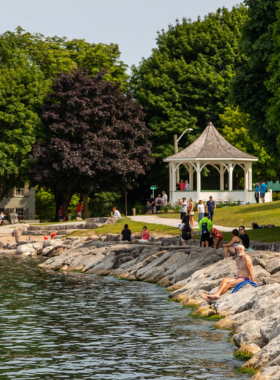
{"x":176,"y":148}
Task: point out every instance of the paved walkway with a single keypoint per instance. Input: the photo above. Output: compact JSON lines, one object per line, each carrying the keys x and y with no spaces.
{"x":173,"y":222}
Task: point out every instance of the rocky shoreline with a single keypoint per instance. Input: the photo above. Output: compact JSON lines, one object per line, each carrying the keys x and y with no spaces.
{"x":253,"y":314}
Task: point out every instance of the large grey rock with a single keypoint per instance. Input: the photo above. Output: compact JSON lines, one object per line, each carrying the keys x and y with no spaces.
{"x":13,"y":217}
{"x":273,"y":265}
{"x":26,"y":249}
{"x":52,"y":243}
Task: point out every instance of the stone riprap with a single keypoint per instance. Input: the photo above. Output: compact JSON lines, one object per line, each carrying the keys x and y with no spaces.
{"x":252,"y":313}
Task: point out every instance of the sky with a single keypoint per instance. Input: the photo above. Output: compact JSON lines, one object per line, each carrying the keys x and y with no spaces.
{"x":132,"y":24}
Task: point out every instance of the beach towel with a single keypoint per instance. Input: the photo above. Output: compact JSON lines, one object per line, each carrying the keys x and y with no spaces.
{"x":239,"y":286}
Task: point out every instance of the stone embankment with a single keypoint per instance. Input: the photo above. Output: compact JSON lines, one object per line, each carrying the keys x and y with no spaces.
{"x":252,"y":313}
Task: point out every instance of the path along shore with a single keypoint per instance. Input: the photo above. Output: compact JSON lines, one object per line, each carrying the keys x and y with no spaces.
{"x":252,"y":313}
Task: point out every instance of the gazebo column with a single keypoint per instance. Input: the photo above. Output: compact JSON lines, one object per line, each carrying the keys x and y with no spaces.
{"x":230,"y":176}
{"x":250,"y":172}
{"x":198,"y":180}
{"x":222,"y":182}
{"x":170,"y":182}
{"x":173,"y":181}
{"x":191,"y":176}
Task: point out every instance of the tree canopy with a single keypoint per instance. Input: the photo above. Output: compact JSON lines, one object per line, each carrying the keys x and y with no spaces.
{"x":186,"y":80}
{"x":256,"y":83}
{"x":98,"y":138}
{"x":22,"y":90}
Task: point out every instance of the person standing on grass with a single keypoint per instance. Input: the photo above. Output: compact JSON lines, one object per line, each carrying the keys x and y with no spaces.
{"x":164,"y":198}
{"x":263,"y":190}
{"x":151,"y":203}
{"x":186,"y":230}
{"x":200,"y":210}
{"x":183,"y":204}
{"x":211,"y":205}
{"x":257,"y":193}
{"x":191,"y":212}
{"x":158,"y":202}
{"x":205,"y":226}
{"x":79,"y":209}
{"x":244,"y":237}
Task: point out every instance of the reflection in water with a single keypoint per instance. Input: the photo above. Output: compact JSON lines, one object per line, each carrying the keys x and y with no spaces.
{"x":76,"y":326}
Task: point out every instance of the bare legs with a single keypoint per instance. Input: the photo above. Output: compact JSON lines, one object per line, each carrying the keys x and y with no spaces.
{"x":191,"y":221}
{"x":225,"y":285}
{"x":228,"y":251}
{"x":204,"y":244}
{"x":217,"y":243}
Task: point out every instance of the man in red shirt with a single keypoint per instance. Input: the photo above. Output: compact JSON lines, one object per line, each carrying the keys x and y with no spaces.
{"x":145,"y":235}
{"x":79,"y":209}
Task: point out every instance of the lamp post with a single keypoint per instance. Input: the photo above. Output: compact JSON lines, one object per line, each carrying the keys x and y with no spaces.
{"x":176,"y":149}
{"x":125,"y":194}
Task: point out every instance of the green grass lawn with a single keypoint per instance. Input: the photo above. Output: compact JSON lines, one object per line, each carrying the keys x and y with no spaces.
{"x":117,"y":228}
{"x":266,"y":213}
{"x":264,"y":235}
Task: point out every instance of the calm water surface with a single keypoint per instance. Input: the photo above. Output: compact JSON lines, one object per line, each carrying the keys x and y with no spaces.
{"x":76,"y":326}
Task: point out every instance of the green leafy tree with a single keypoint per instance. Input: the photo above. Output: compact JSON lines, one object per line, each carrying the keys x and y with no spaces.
{"x":22,"y":90}
{"x":186,"y":80}
{"x":235,"y":129}
{"x":257,"y":74}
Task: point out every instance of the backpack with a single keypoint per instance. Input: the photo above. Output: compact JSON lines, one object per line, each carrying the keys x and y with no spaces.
{"x":204,"y":228}
{"x":186,"y":232}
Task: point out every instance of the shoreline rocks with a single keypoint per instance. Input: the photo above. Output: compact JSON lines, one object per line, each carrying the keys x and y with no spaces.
{"x":252,"y":313}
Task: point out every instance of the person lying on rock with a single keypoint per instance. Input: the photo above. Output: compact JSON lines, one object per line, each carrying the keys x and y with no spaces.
{"x":244,"y":272}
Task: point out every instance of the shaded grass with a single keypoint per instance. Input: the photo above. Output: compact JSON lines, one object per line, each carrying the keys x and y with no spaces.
{"x":266,"y":213}
{"x":264,"y":235}
{"x":117,"y":228}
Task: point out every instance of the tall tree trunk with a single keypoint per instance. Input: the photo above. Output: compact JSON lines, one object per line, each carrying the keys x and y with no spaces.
{"x":85,"y":206}
{"x":62,"y":200}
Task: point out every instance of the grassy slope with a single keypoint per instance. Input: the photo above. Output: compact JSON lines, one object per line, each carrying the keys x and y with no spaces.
{"x":267,"y":213}
{"x":117,"y":228}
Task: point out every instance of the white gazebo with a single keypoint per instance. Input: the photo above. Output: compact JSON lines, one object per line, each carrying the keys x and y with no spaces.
{"x":212,"y":149}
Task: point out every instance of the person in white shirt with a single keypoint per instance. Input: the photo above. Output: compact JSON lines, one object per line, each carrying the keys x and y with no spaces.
{"x":1,"y":217}
{"x":200,"y":210}
{"x":164,"y":198}
{"x":187,"y":185}
{"x":116,"y":214}
{"x":183,"y":203}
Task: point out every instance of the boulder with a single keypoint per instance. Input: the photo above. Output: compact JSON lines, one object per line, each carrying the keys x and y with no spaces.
{"x":13,"y":217}
{"x":273,"y":265}
{"x":38,"y":247}
{"x":26,"y":249}
{"x":52,"y":243}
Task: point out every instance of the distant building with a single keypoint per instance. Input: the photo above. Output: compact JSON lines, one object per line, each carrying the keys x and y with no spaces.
{"x":20,"y":201}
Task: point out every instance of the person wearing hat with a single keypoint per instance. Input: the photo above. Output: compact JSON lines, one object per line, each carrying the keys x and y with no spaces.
{"x":183,"y":203}
{"x":211,"y":205}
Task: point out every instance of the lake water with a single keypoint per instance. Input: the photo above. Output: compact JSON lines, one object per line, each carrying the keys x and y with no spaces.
{"x":58,"y":325}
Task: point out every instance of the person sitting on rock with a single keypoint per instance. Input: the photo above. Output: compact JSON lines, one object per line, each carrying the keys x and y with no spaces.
{"x":144,"y":235}
{"x":53,"y":234}
{"x":126,"y":233}
{"x":245,"y":272}
{"x":117,"y":214}
{"x":230,"y":249}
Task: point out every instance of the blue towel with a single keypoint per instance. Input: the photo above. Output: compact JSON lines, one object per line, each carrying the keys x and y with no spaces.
{"x":238,"y":286}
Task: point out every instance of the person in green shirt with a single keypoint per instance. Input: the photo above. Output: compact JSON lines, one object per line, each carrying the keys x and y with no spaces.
{"x":205,"y":226}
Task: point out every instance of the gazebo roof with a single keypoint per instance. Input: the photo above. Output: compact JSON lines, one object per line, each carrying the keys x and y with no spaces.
{"x":210,"y":144}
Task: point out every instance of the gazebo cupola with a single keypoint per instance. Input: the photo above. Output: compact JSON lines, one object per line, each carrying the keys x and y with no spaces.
{"x":212,"y":149}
